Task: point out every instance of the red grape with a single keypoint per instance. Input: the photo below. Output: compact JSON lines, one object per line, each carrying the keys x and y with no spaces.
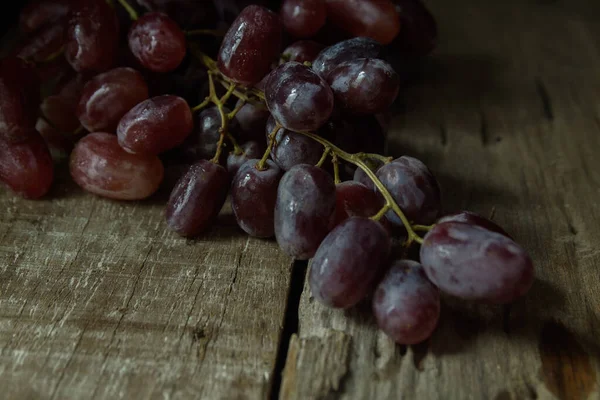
{"x":41,"y":45}
{"x":364,"y":86}
{"x":157,"y":42}
{"x":40,"y":13}
{"x":92,"y":39}
{"x":406,"y":304}
{"x":60,"y":112}
{"x":418,"y":29}
{"x":298,"y":98}
{"x":108,"y":97}
{"x":207,"y":133}
{"x":376,"y":19}
{"x":304,"y":210}
{"x":26,"y":167}
{"x":472,"y":218}
{"x":251,"y":44}
{"x":347,"y":50}
{"x":251,"y":150}
{"x":197,"y":198}
{"x":293,"y":148}
{"x":474,"y":263}
{"x":303,"y":18}
{"x":187,"y":13}
{"x":155,"y":125}
{"x":59,"y":143}
{"x":252,"y":120}
{"x":353,"y":199}
{"x":348,"y":262}
{"x":253,"y":197}
{"x":414,"y":188}
{"x":303,"y":51}
{"x":100,"y":166}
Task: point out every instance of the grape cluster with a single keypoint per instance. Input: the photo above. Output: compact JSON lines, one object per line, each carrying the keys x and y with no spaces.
{"x":270,"y":112}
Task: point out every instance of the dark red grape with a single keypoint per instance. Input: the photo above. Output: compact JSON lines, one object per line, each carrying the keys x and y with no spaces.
{"x":353,"y":199}
{"x":376,"y":19}
{"x":205,"y":137}
{"x":298,"y":98}
{"x":197,"y":198}
{"x":251,"y":44}
{"x":100,"y":166}
{"x":418,"y":29}
{"x":293,"y":148}
{"x":252,"y":120}
{"x":92,"y":40}
{"x":251,"y":150}
{"x":348,"y":262}
{"x":304,"y":210}
{"x":414,"y":188}
{"x":60,"y":112}
{"x":347,"y":50}
{"x":108,"y":97}
{"x":155,"y":125}
{"x":187,"y":13}
{"x":358,"y":94}
{"x":40,"y":13}
{"x":406,"y":304}
{"x":302,"y":51}
{"x":473,"y":263}
{"x":43,"y":44}
{"x":157,"y":42}
{"x":59,"y":143}
{"x":26,"y":167}
{"x":472,"y":218}
{"x":303,"y":18}
{"x":362,"y":177}
{"x":253,"y":197}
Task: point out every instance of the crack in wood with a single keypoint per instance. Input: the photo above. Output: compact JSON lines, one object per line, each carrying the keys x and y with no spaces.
{"x":547,"y":107}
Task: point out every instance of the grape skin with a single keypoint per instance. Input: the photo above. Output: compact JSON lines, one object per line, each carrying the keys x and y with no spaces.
{"x":347,"y":50}
{"x":406,"y":304}
{"x":251,"y":150}
{"x":302,"y":51}
{"x":418,"y":32}
{"x":303,"y":18}
{"x":206,"y":131}
{"x":293,"y":148}
{"x":353,"y":199}
{"x":473,"y":263}
{"x":251,"y":120}
{"x":304,"y":210}
{"x":43,"y":44}
{"x":348,"y":262}
{"x":40,"y":13}
{"x":472,"y":218}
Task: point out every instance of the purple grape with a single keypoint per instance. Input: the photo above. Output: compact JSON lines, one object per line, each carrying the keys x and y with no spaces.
{"x":355,"y":199}
{"x":348,"y":262}
{"x":253,"y":197}
{"x":303,"y":51}
{"x":472,"y":218}
{"x":304,"y":210}
{"x":406,"y":304}
{"x":206,"y":132}
{"x":251,"y":150}
{"x":473,"y":263}
{"x":351,"y":49}
{"x":303,"y":18}
{"x":251,"y":120}
{"x":293,"y":148}
{"x":362,"y":177}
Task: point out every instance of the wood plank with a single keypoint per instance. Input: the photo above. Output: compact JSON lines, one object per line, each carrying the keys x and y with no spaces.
{"x":507,"y":117}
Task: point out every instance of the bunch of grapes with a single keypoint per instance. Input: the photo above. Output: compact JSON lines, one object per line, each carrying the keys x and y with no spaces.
{"x":270,"y":112}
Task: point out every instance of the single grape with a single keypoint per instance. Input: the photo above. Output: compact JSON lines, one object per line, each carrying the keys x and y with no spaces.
{"x":41,"y":45}
{"x":26,"y":167}
{"x":40,"y":13}
{"x":60,"y":112}
{"x":304,"y":210}
{"x":92,"y":40}
{"x":376,"y":19}
{"x":298,"y":98}
{"x":252,"y":120}
{"x":362,"y":177}
{"x":293,"y":148}
{"x":251,"y":44}
{"x":253,"y":197}
{"x":406,"y":304}
{"x":348,"y":262}
{"x":473,"y":263}
{"x":472,"y":218}
{"x":157,"y":42}
{"x":205,"y":137}
{"x":364,"y":96}
{"x":155,"y":125}
{"x":353,"y":199}
{"x":303,"y":18}
{"x":347,"y":50}
{"x":100,"y":166}
{"x":108,"y":97}
{"x":302,"y":51}
{"x":197,"y":198}
{"x":418,"y":32}
{"x":414,"y":188}
{"x":251,"y":150}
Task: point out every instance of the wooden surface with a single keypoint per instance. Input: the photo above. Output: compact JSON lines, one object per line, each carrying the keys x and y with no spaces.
{"x":99,"y":300}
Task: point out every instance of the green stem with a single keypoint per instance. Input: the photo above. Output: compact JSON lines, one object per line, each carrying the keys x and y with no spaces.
{"x":132,"y":13}
{"x":261,"y":164}
{"x":381,"y":213}
{"x":336,"y":168}
{"x":204,"y":103}
{"x":373,"y":156}
{"x":237,"y":150}
{"x":323,"y":157}
{"x":237,"y":109}
{"x":423,"y":228}
{"x":53,"y":56}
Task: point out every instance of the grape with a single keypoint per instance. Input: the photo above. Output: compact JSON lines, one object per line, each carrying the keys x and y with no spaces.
{"x":473,"y":263}
{"x":251,"y":150}
{"x":298,"y":98}
{"x":251,"y":44}
{"x":253,"y":197}
{"x":207,"y":132}
{"x":60,"y":112}
{"x":197,"y":198}
{"x":186,"y":13}
{"x":100,"y":166}
{"x":376,"y":19}
{"x":304,"y":210}
{"x":43,"y":44}
{"x":348,"y":262}
{"x":406,"y":305}
{"x":108,"y":97}
{"x":92,"y":39}
{"x":414,"y":188}
{"x":157,"y":42}
{"x":303,"y":18}
{"x":303,"y":51}
{"x":359,"y":94}
{"x":59,"y":143}
{"x":26,"y":167}
{"x":472,"y":218}
{"x":347,"y":50}
{"x":155,"y":125}
{"x":418,"y":32}
{"x":353,"y":199}
{"x":40,"y":13}
{"x":293,"y":148}
{"x":362,"y":177}
{"x":252,"y":120}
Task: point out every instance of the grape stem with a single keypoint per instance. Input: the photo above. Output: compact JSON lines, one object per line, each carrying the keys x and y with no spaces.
{"x":132,"y":13}
{"x":261,"y":164}
{"x":336,"y":169}
{"x":372,"y":156}
{"x":381,"y":213}
{"x":423,"y":228}
{"x":202,"y":105}
{"x":323,"y":157}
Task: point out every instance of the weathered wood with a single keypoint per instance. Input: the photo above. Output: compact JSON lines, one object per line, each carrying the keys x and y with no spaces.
{"x":507,"y":117}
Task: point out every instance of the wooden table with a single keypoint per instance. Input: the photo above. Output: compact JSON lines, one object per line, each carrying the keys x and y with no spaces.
{"x":99,"y":300}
